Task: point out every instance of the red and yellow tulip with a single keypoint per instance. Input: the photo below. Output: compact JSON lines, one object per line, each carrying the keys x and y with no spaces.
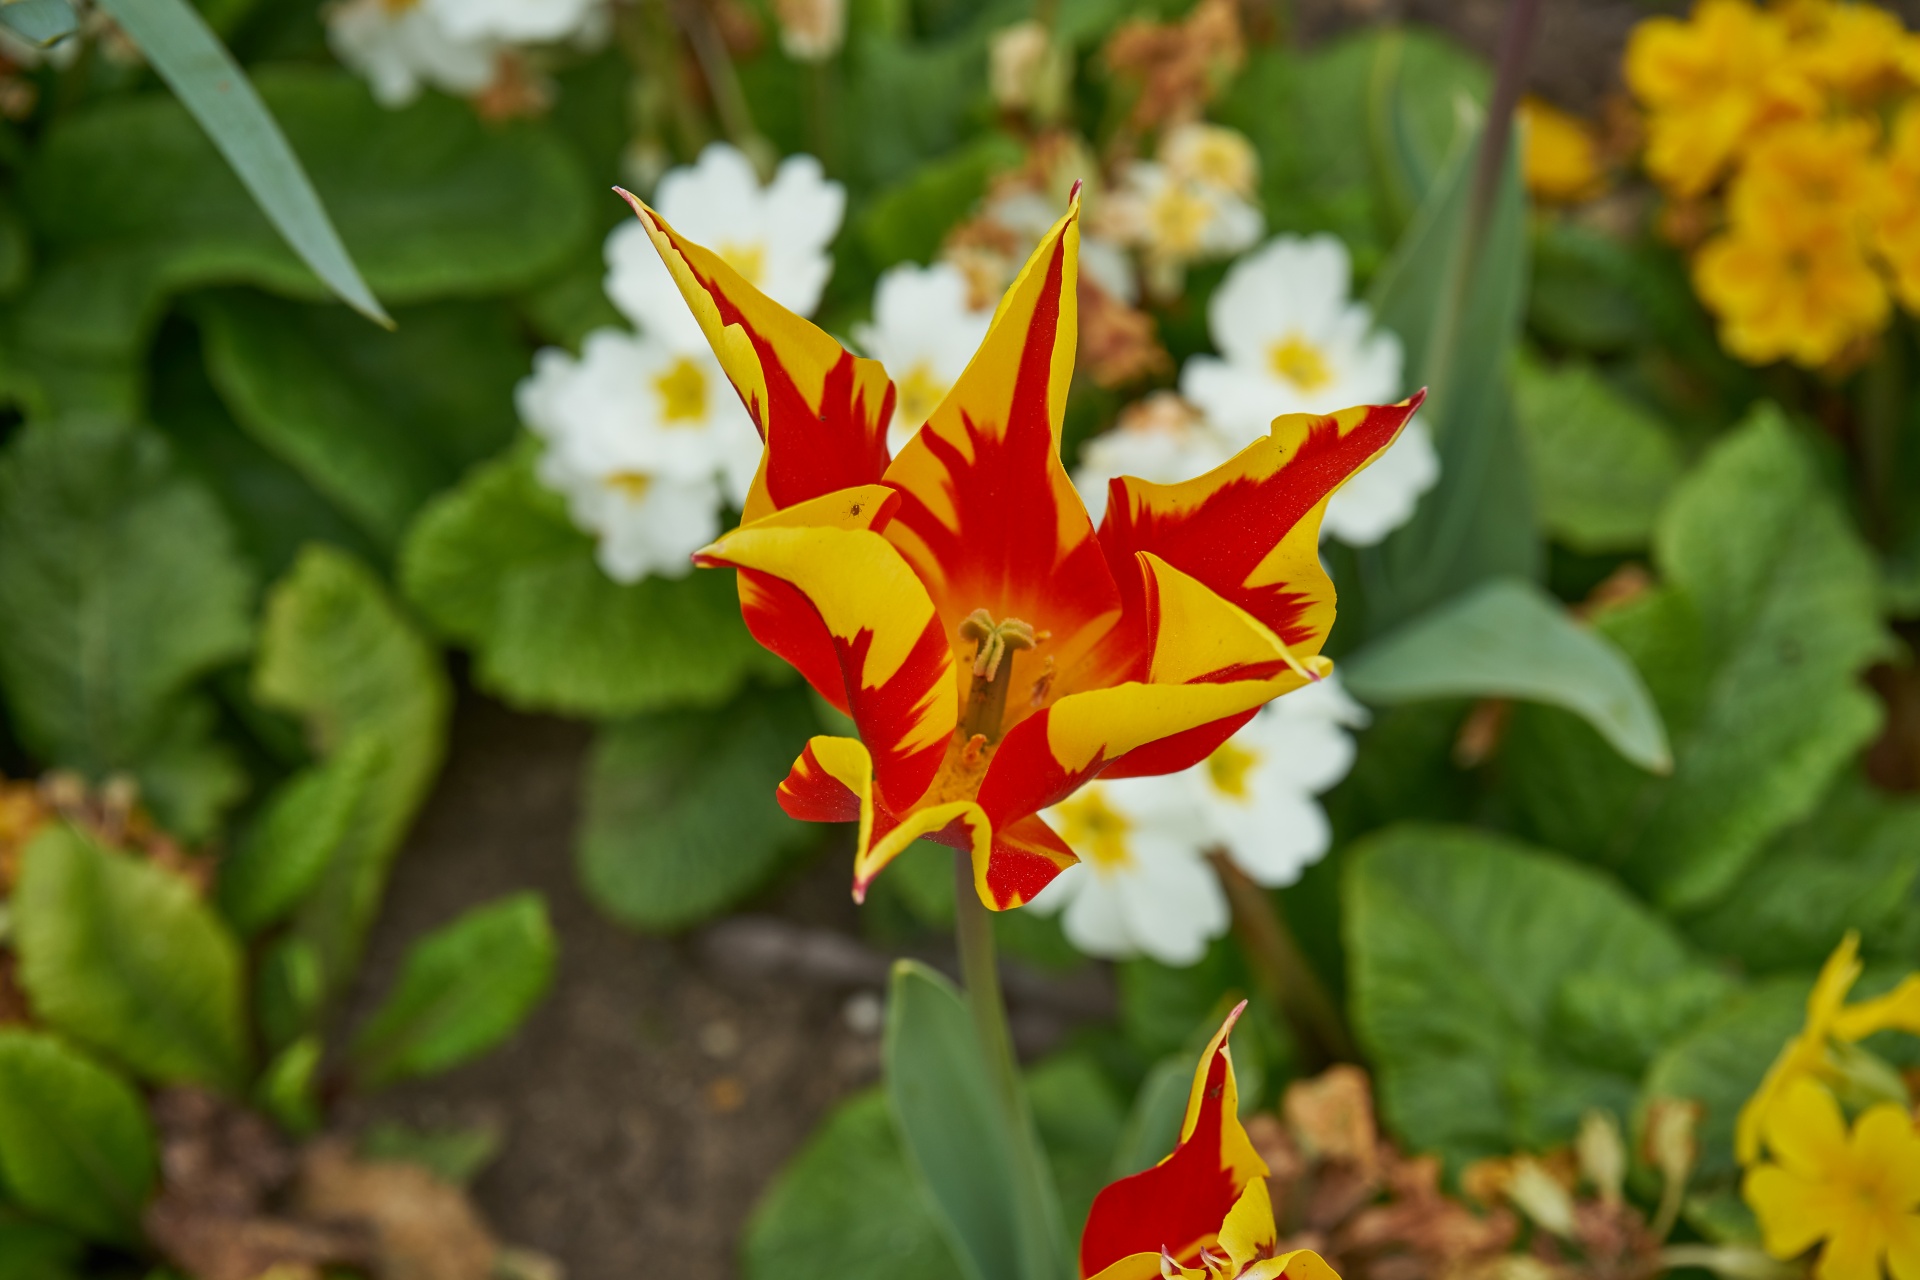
{"x":996,"y":651}
{"x":1202,"y":1213}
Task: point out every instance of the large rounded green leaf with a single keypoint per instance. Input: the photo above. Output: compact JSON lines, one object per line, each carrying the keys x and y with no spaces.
{"x":498,"y":566}
{"x":125,"y":958}
{"x":75,"y":1144}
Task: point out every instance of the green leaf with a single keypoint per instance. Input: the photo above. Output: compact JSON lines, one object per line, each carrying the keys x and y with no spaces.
{"x":288,"y":993}
{"x":75,"y":1144}
{"x":1855,"y":864}
{"x":285,"y":1089}
{"x":378,"y":422}
{"x":1000,"y":1215}
{"x":432,"y":202}
{"x":455,"y":1156}
{"x":336,"y":652}
{"x":907,"y":221}
{"x":848,"y":1207}
{"x":1152,"y":1129}
{"x":498,"y":566}
{"x":1454,"y":292}
{"x":135,"y":591}
{"x":195,"y":65}
{"x":1719,"y":1064}
{"x":1080,"y":1120}
{"x":124,"y":958}
{"x":681,"y":819}
{"x":39,"y":22}
{"x":1501,"y":992}
{"x":1751,"y":649}
{"x":32,"y":1250}
{"x":286,"y":850}
{"x":1602,"y":466}
{"x":462,"y":990}
{"x":1509,"y":639}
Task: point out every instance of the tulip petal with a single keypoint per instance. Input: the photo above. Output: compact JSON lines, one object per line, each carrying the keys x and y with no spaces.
{"x":1025,"y":858}
{"x":832,"y":781}
{"x":894,"y":660}
{"x":1182,"y":1203}
{"x":1250,"y":528}
{"x":1210,"y":662}
{"x":822,"y":411}
{"x":988,"y":518}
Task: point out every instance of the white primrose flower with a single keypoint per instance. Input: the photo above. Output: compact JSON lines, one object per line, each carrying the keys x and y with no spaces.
{"x":1258,"y":789}
{"x":522,"y":21}
{"x":1162,"y":438}
{"x":644,"y":441}
{"x":1143,"y":885}
{"x":924,"y":332}
{"x":1293,"y":340}
{"x":401,"y":46}
{"x":1178,"y":219}
{"x":775,"y":236}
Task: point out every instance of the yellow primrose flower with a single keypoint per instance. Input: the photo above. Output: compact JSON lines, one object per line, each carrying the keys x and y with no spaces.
{"x":1854,"y":49}
{"x":1709,"y":85}
{"x":1561,"y":159}
{"x":1857,"y":1194}
{"x":1829,"y":1018}
{"x":1897,"y":235}
{"x":1805,"y":301}
{"x":1790,"y":279}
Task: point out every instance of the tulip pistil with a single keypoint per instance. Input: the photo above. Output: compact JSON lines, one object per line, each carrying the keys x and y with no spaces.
{"x":987,"y":700}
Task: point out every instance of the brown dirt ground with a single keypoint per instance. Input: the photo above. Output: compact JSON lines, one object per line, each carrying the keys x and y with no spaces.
{"x":649,"y":1100}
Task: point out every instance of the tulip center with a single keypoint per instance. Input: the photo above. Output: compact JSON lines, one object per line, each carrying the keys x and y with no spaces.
{"x":1300,"y":362}
{"x":683,"y":393}
{"x":986,"y":707}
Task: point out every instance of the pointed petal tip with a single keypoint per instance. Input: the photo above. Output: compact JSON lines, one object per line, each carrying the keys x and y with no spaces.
{"x":638,"y":205}
{"x":1417,"y":399}
{"x":860,"y":891}
{"x":1073,"y":196}
{"x":1233,"y":1016}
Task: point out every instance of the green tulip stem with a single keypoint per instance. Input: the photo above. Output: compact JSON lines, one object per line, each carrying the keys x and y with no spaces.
{"x":1281,"y":970}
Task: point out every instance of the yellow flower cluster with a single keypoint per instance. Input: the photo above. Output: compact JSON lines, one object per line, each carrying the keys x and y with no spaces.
{"x":1802,"y":120}
{"x":1813,"y":1179}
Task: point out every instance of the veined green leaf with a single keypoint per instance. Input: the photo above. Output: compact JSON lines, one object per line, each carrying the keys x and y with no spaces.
{"x":848,"y":1207}
{"x":1752,"y":648}
{"x":1555,"y":989}
{"x":338,"y":653}
{"x":681,"y":819}
{"x":75,"y":1144}
{"x":135,"y":590}
{"x":124,"y":957}
{"x":193,"y":62}
{"x":1003,"y":1219}
{"x":286,"y":850}
{"x":462,"y":990}
{"x":1509,"y":639}
{"x":497,"y":565}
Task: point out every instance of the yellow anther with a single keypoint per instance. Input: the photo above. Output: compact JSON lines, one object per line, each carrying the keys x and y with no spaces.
{"x":993,"y":639}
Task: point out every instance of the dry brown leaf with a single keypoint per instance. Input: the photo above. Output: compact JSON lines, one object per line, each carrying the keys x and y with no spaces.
{"x":422,"y":1228}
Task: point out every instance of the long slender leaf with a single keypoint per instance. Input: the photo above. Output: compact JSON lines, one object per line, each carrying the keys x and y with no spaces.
{"x":1509,"y":639}
{"x":40,"y":22}
{"x":193,"y":62}
{"x":1001,"y":1213}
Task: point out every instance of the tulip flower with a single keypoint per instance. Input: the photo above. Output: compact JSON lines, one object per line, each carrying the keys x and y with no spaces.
{"x":993,"y":649}
{"x":1202,"y":1213}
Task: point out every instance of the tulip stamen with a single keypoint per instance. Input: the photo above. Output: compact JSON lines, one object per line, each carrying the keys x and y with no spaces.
{"x":992,"y":673}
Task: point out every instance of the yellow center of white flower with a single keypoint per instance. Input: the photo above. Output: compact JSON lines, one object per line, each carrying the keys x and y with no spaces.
{"x":1179,"y":220}
{"x":920,"y":394}
{"x":1095,"y":830}
{"x":1300,"y":362}
{"x":1228,"y":767}
{"x":1223,"y":158}
{"x":683,"y":393}
{"x":632,"y":485}
{"x":749,"y":259}
{"x":395,"y":8}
